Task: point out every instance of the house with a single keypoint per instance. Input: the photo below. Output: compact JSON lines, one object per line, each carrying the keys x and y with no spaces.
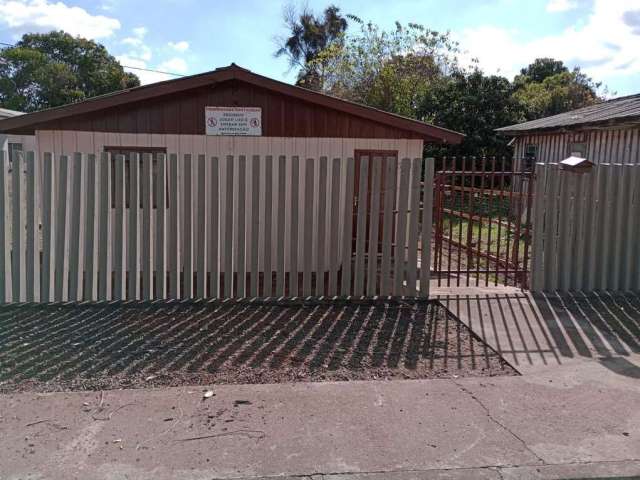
{"x":13,"y":143}
{"x":229,"y":111}
{"x":608,"y":132}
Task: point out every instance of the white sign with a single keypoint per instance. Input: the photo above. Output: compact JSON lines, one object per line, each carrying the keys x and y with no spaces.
{"x":233,"y":120}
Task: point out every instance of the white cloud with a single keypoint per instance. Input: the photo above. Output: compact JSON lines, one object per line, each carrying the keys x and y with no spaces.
{"x":140,"y":32}
{"x":23,"y":16}
{"x":182,"y":46}
{"x":561,"y":5}
{"x":174,"y":65}
{"x":604,"y":44}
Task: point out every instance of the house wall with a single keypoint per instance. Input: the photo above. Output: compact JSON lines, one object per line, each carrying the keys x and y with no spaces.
{"x":603,"y":145}
{"x":68,"y":142}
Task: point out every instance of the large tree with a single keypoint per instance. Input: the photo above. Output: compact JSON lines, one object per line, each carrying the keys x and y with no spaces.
{"x":547,"y":87}
{"x":476,"y":104}
{"x":308,"y":37}
{"x":390,"y":70}
{"x":53,"y":69}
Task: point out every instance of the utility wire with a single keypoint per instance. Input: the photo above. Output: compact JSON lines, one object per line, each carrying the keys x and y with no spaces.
{"x":123,"y":66}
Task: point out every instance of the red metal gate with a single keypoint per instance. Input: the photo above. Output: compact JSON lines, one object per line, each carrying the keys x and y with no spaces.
{"x":482,"y":223}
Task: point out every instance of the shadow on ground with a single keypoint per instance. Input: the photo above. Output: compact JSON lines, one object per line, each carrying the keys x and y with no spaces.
{"x":550,"y":328}
{"x":136,"y":344}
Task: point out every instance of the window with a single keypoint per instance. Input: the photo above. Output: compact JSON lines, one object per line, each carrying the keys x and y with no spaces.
{"x":530,"y":157}
{"x":127,"y":152}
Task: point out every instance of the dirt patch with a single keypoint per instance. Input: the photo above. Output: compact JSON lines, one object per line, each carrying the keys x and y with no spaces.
{"x":142,"y":344}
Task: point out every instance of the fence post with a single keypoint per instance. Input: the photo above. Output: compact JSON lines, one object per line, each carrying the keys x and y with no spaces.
{"x":33,"y":228}
{"x":62,"y":233}
{"x":76,"y":240}
{"x":18,"y":253}
{"x":5,"y":241}
{"x":48,"y":229}
{"x":104,"y":267}
{"x":427,"y":225}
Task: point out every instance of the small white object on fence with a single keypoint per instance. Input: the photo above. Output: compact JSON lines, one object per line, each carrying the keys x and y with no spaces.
{"x":192,"y":226}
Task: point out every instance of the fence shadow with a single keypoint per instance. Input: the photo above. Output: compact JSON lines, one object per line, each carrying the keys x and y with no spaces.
{"x":237,"y":342}
{"x":550,"y":328}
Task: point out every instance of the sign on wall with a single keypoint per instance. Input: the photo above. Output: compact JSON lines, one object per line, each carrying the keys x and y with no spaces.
{"x":233,"y":121}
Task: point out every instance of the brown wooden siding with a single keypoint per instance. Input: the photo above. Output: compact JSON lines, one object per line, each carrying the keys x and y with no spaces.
{"x":603,"y":146}
{"x":183,"y":113}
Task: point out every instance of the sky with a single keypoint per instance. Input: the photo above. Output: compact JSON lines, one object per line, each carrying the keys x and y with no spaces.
{"x":192,"y":36}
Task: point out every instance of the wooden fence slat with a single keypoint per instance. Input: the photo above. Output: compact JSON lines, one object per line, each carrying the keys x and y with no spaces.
{"x":391,"y":177}
{"x":601,"y":239}
{"x":92,"y":225}
{"x":538,"y":228}
{"x":133,"y":247}
{"x":119,"y":230}
{"x":567,"y":185}
{"x":293,"y":246}
{"x":174,"y":251}
{"x":5,"y":236}
{"x":347,"y":233}
{"x":62,"y":233}
{"x":618,"y":205}
{"x":321,"y":211}
{"x":399,"y":260}
{"x":307,"y":209}
{"x":226,"y":247}
{"x":334,"y":228}
{"x":414,"y":219}
{"x":147,"y":227}
{"x":374,"y":221}
{"x":18,"y":251}
{"x":361,"y":223}
{"x":425,"y":230}
{"x":77,"y":228}
{"x":551,"y":225}
{"x":239,"y":238}
{"x":280,"y":233}
{"x":635,"y":275}
{"x":632,"y":226}
{"x":187,"y":228}
{"x":203,"y":227}
{"x":33,"y":227}
{"x":590,"y":261}
{"x":214,"y":239}
{"x":161,"y":227}
{"x":105,"y":245}
{"x":268,"y":231}
{"x":577,"y":251}
{"x":48,"y":228}
{"x":254,"y":270}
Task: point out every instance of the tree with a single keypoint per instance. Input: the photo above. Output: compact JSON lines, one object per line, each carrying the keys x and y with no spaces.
{"x":389,"y":70}
{"x":308,"y":37}
{"x":53,"y":69}
{"x":547,"y":87}
{"x":475,"y":104}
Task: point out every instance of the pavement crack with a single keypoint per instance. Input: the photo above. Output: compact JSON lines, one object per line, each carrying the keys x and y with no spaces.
{"x":497,"y":422}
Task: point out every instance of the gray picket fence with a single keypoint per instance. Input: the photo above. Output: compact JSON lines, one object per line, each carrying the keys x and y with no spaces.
{"x":586,"y":229}
{"x":90,"y":227}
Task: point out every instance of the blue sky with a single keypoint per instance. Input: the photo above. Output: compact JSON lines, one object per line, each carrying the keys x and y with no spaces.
{"x":192,"y":36}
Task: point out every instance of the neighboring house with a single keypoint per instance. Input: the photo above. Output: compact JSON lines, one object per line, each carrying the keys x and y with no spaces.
{"x":13,"y":143}
{"x":608,"y":132}
{"x":173,"y":117}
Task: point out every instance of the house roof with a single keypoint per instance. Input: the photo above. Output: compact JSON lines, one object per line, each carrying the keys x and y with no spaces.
{"x":30,"y":121}
{"x":614,"y":111}
{"x":6,"y":113}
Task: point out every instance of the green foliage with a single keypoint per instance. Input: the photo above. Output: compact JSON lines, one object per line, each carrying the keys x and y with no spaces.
{"x":475,"y":104}
{"x":555,"y":93}
{"x":389,"y":70}
{"x":309,"y":39}
{"x":53,"y":69}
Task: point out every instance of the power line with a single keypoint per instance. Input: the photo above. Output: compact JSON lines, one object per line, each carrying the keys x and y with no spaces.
{"x":123,"y":66}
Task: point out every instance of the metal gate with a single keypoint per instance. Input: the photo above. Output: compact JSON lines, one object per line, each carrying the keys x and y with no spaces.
{"x":482,"y":222}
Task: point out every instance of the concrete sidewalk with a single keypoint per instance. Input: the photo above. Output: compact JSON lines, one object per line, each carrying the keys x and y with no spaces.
{"x":573,"y":421}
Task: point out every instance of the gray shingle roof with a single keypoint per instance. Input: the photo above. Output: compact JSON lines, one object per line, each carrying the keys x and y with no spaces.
{"x":622,"y":109}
